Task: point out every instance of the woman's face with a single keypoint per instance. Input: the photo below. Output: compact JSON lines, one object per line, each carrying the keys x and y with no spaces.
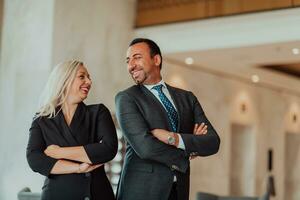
{"x":81,"y":86}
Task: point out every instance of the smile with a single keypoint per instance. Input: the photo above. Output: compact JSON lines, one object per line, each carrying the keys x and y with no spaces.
{"x":85,"y":89}
{"x":136,"y":73}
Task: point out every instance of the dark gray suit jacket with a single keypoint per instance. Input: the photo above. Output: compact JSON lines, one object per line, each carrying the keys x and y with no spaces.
{"x":150,"y":165}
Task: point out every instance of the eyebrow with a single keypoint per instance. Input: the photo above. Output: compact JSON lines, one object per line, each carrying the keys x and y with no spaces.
{"x":85,"y":73}
{"x":136,"y":54}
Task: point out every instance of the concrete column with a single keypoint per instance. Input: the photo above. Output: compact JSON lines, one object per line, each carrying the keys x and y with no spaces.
{"x":25,"y":62}
{"x":36,"y":35}
{"x":96,"y":32}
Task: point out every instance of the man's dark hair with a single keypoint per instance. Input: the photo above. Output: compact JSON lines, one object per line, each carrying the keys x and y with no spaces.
{"x":154,"y":48}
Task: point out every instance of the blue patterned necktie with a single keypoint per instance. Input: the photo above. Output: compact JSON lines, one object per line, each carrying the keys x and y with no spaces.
{"x":172,"y":114}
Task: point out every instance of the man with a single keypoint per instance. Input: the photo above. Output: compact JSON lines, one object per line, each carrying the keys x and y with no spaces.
{"x":163,"y":127}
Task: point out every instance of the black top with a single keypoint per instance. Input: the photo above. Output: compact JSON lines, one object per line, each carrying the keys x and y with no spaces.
{"x":91,"y":127}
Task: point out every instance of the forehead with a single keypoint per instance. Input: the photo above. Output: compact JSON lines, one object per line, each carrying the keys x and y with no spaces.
{"x":82,"y":69}
{"x":138,"y":48}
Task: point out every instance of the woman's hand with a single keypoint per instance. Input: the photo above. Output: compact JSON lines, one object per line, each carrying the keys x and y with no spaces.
{"x":53,"y":151}
{"x":85,"y":167}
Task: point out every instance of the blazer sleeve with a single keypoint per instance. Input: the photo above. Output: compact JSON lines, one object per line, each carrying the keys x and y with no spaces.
{"x":106,"y":146}
{"x":201,"y":145}
{"x":37,"y":160}
{"x":137,"y":133}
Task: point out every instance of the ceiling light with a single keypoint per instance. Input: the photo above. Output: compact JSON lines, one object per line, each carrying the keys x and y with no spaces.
{"x":295,"y":51}
{"x":189,"y":61}
{"x":255,"y":78}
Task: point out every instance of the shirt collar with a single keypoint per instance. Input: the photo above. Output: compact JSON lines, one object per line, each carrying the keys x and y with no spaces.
{"x":161,"y":82}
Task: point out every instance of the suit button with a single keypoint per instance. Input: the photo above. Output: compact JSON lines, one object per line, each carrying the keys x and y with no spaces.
{"x":88,"y":174}
{"x":86,"y":198}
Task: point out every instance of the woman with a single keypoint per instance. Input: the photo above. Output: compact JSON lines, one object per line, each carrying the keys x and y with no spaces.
{"x":69,"y":142}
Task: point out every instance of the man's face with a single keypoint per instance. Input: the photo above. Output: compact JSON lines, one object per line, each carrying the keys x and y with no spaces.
{"x":142,"y":68}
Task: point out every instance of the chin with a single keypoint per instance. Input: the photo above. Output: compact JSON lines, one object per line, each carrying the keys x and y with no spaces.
{"x":83,"y":97}
{"x":139,"y":80}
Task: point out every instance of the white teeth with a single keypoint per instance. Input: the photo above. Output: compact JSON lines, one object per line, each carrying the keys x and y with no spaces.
{"x":135,"y":73}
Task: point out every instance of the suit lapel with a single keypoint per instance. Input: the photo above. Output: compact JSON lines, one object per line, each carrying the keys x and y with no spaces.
{"x":65,"y":130}
{"x":79,"y":125}
{"x":157,"y":104}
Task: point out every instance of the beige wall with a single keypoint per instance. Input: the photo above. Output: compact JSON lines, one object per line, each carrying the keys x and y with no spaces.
{"x":265,"y":116}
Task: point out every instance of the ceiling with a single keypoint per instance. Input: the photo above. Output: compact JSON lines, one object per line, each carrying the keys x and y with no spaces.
{"x":236,"y":47}
{"x":292,"y":69}
{"x":273,"y":63}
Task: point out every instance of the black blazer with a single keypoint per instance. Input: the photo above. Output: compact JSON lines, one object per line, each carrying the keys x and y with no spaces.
{"x":150,"y":165}
{"x":91,"y":127}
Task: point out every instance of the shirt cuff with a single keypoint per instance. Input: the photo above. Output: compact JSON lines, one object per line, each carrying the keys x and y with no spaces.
{"x":181,"y":143}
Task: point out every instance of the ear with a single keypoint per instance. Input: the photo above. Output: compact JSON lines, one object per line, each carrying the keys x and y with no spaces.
{"x":157,"y":60}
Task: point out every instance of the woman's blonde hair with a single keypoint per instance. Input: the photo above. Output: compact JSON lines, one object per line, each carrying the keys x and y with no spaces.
{"x":57,"y":88}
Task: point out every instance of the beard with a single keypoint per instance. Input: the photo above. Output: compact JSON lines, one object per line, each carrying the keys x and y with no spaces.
{"x":139,"y":82}
{"x":140,"y":79}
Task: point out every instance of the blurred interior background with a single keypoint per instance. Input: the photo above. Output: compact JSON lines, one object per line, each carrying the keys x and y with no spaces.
{"x":241,"y":58}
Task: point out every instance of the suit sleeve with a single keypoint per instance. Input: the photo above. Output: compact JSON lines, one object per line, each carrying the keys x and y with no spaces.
{"x":37,"y":160}
{"x":137,"y":133}
{"x":107,"y":143}
{"x":201,"y":145}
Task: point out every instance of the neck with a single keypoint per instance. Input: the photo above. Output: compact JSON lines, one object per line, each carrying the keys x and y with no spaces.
{"x":153,"y":81}
{"x":68,"y":110}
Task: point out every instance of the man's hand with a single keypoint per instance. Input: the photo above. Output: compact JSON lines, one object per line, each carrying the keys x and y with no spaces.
{"x":53,"y":151}
{"x":161,"y":135}
{"x":85,"y":167}
{"x":199,"y":130}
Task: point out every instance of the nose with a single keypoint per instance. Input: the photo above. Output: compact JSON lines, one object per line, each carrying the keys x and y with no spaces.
{"x":88,"y":81}
{"x":131,"y":65}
